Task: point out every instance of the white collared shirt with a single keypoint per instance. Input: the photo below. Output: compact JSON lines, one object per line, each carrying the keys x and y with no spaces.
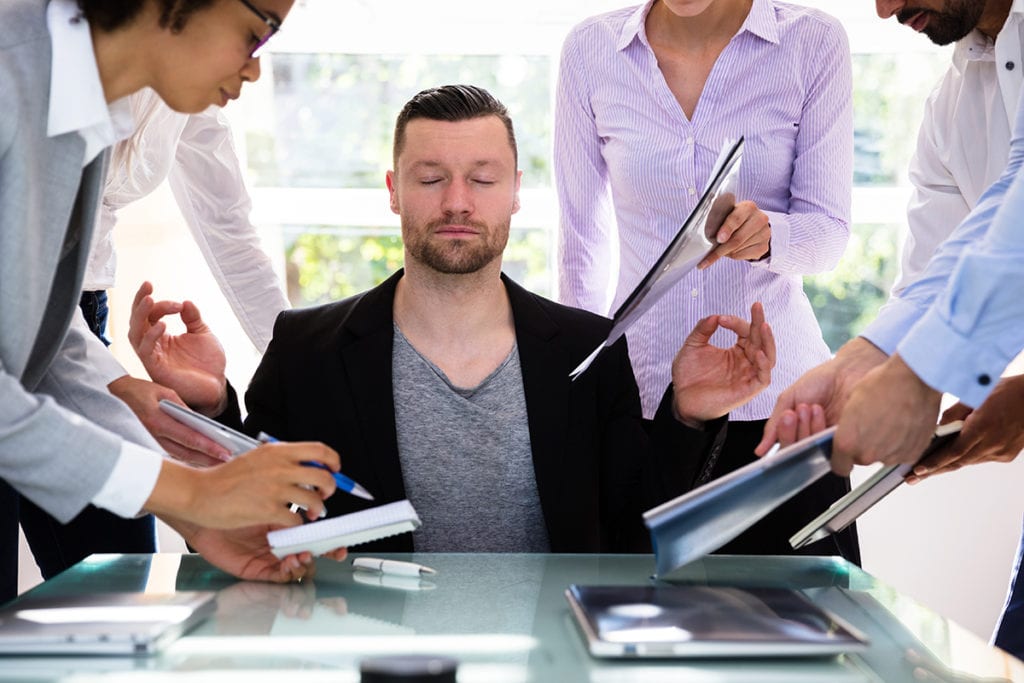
{"x":964,"y":140}
{"x":970,"y":328}
{"x":78,"y":104}
{"x":196,"y":155}
{"x":77,"y":101}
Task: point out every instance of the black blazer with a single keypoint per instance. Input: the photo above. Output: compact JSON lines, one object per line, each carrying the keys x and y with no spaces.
{"x":327,"y":376}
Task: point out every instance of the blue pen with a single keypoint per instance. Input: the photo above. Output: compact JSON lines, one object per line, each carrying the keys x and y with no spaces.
{"x":344,"y":483}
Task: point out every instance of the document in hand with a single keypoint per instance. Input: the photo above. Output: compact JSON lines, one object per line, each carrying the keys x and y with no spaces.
{"x":694,"y":241}
{"x":235,"y":442}
{"x":710,"y":516}
{"x":347,"y":530}
{"x":847,"y":509}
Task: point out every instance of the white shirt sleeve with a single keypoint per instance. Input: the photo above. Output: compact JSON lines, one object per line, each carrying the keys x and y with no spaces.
{"x":207,"y":182}
{"x":937,"y":204}
{"x":130,"y":482}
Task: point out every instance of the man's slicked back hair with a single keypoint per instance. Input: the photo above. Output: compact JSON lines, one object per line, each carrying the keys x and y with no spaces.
{"x":452,"y":103}
{"x":110,"y":15}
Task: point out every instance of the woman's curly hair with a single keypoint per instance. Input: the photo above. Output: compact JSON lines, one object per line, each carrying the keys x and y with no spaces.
{"x":110,"y":15}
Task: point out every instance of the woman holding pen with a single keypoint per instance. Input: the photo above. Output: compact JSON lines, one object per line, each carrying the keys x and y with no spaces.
{"x":647,"y":96}
{"x":65,"y":442}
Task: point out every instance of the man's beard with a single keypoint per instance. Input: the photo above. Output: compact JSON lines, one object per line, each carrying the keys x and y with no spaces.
{"x":456,"y":256}
{"x":957,"y":19}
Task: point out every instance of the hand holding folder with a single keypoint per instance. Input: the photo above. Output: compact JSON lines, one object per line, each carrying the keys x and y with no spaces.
{"x":847,"y":509}
{"x":696,"y":523}
{"x":691,"y":246}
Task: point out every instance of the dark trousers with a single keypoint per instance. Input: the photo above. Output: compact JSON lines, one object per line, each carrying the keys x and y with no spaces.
{"x":8,"y":542}
{"x":57,"y":546}
{"x":770,"y":536}
{"x":1010,"y":631}
{"x":94,"y":308}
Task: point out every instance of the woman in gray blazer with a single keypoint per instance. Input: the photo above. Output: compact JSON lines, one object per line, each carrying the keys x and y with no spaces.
{"x":65,"y":442}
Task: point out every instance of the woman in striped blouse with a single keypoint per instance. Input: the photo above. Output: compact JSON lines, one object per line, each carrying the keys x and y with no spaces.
{"x":647,"y":97}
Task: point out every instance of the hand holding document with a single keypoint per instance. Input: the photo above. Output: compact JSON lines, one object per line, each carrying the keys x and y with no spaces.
{"x":847,"y":509}
{"x":691,"y":245}
{"x":238,"y":443}
{"x":696,"y":523}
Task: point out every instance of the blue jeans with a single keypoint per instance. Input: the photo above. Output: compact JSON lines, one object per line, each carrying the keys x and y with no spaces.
{"x":1010,"y":631}
{"x":94,"y":308}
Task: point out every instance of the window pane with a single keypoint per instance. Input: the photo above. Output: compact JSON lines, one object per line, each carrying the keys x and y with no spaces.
{"x":335,"y":113}
{"x":327,"y":263}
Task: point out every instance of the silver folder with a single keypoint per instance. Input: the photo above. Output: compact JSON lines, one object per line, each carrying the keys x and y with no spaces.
{"x":706,"y":518}
{"x":694,"y":241}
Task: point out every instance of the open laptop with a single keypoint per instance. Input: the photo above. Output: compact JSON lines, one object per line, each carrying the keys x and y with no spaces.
{"x":706,"y":621}
{"x":100,"y":623}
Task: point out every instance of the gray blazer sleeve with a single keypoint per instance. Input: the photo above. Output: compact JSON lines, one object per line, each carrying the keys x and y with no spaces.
{"x":50,"y":454}
{"x":58,"y":443}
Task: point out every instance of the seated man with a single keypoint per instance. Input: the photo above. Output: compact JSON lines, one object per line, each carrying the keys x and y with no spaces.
{"x":449,"y":385}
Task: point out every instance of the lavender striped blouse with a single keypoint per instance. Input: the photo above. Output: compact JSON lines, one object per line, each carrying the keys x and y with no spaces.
{"x":629,"y":167}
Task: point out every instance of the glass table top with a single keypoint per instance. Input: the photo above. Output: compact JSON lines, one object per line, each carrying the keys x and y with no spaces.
{"x":504,"y":617}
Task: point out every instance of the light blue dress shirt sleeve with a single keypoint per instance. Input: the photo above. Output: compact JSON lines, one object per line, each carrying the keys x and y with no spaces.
{"x":975,"y":327}
{"x":900,"y":314}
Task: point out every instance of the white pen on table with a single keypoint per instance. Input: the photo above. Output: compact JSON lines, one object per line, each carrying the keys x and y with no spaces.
{"x":397,"y":567}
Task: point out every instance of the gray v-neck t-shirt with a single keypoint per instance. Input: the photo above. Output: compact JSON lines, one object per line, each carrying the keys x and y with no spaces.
{"x":466,"y":460}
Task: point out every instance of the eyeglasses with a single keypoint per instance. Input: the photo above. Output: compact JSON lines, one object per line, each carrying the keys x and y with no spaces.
{"x":273,"y":26}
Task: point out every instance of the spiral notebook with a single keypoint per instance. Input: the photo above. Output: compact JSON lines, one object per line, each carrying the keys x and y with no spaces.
{"x":345,"y":531}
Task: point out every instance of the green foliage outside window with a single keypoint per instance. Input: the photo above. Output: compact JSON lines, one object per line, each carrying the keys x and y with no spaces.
{"x":847,"y":298}
{"x":327,"y":264}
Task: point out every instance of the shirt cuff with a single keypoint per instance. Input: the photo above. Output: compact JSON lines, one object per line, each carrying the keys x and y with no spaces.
{"x":947,"y":361}
{"x":891,"y":325}
{"x":130,"y":482}
{"x":778,"y":247}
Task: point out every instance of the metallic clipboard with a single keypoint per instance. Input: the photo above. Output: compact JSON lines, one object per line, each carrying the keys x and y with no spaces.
{"x":234,"y":441}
